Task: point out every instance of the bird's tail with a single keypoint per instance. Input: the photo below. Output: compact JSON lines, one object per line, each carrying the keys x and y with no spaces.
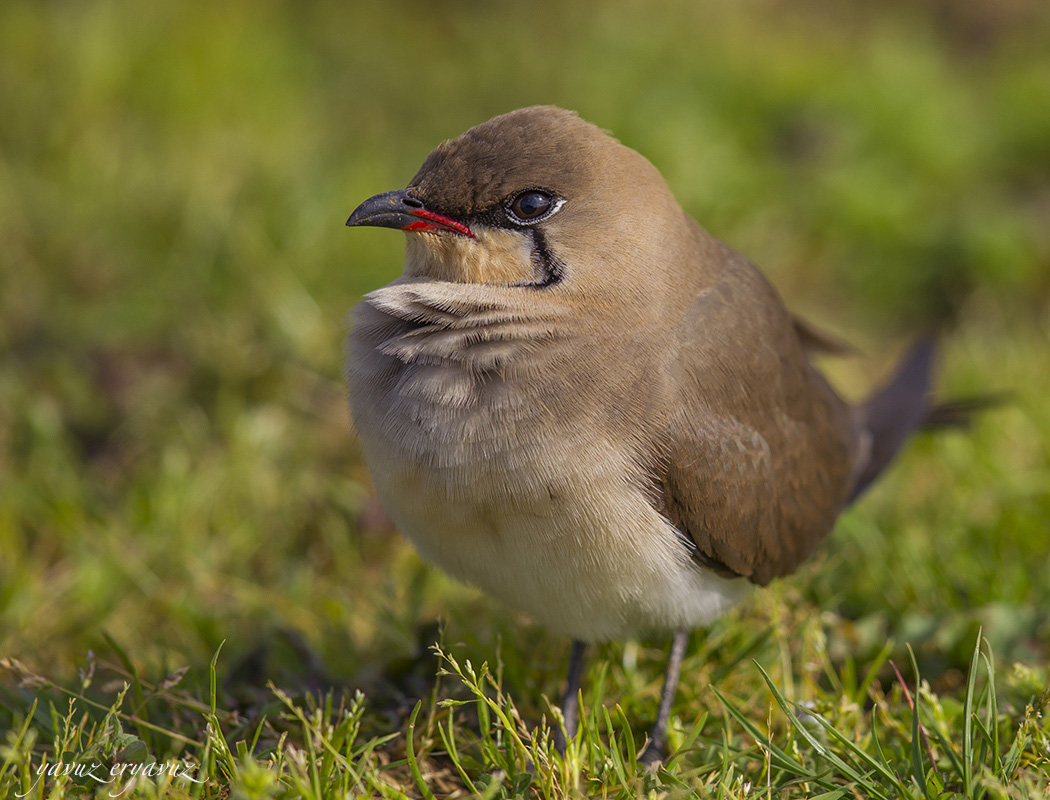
{"x":895,"y":411}
{"x":902,"y":406}
{"x":959,"y":413}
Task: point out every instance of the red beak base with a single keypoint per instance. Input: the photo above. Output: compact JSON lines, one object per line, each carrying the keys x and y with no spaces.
{"x":398,"y":210}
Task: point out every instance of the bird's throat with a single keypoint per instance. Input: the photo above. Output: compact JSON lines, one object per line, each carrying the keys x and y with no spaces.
{"x":494,"y":257}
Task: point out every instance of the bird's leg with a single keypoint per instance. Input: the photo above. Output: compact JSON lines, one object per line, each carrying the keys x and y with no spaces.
{"x":570,"y":702}
{"x":654,"y":750}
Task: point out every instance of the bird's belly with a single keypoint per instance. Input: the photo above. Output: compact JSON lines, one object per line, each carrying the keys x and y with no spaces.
{"x":582,"y":552}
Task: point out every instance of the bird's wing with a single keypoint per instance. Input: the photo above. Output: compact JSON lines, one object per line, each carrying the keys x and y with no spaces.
{"x":815,"y":340}
{"x":760,"y":451}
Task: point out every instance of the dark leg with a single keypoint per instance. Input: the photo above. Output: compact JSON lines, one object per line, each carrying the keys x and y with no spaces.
{"x":570,"y":701}
{"x":654,"y":751}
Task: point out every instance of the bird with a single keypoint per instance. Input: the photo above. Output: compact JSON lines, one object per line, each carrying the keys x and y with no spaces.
{"x":579,"y":401}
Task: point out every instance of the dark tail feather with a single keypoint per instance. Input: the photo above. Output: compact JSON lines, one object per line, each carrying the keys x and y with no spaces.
{"x":959,"y":413}
{"x":896,"y":410}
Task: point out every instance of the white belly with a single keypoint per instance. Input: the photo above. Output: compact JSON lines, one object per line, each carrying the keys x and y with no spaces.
{"x":598,"y":563}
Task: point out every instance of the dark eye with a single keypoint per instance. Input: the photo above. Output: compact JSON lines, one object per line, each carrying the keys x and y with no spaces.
{"x":531,"y":205}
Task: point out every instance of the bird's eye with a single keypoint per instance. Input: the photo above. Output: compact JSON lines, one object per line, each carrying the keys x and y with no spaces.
{"x":531,"y":205}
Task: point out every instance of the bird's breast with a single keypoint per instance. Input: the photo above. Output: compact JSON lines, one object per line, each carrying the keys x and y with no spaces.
{"x":493,"y":453}
{"x":462,"y":392}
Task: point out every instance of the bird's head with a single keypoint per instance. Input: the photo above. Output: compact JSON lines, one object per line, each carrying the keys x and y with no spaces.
{"x":542,"y":200}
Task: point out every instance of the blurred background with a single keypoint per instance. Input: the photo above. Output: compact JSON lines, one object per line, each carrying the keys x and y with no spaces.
{"x":177,"y":466}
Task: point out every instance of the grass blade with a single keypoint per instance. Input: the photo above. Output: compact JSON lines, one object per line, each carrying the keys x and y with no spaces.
{"x":781,"y":759}
{"x":967,"y":747}
{"x":410,"y":749}
{"x":918,"y":771}
{"x":848,"y":769}
{"x":993,"y":713}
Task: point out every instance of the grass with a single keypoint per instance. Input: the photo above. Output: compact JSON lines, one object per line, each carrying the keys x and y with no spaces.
{"x":193,"y":571}
{"x":468,"y":736}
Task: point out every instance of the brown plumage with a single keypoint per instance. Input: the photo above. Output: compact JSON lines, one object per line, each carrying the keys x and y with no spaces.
{"x":580,"y":401}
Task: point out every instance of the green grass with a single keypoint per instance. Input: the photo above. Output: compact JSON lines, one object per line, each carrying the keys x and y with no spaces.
{"x":192,"y":568}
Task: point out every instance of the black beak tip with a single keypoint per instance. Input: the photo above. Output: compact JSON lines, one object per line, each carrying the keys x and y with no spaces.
{"x":386,"y":210}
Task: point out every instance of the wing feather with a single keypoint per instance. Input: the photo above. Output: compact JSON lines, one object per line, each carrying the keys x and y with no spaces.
{"x":761,"y":451}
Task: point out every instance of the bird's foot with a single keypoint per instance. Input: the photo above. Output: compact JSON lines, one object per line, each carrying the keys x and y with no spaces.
{"x":652,"y":754}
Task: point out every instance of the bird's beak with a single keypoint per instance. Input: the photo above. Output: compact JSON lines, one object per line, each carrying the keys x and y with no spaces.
{"x":399,"y":210}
